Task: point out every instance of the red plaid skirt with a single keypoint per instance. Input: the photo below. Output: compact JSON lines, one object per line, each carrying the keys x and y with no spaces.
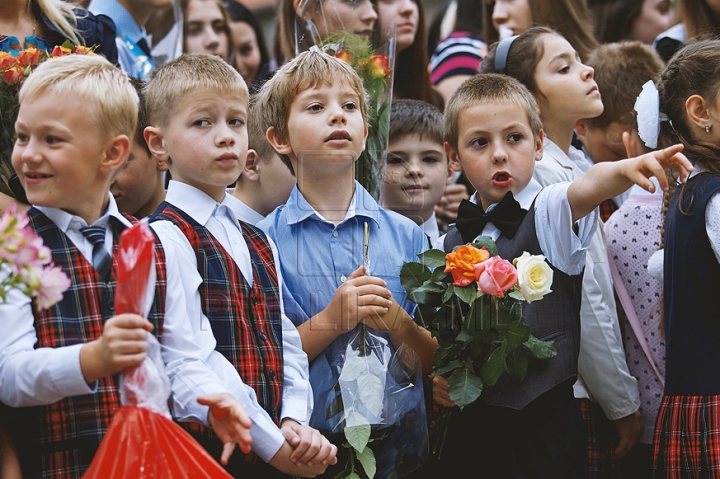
{"x":687,"y":438}
{"x":601,"y":436}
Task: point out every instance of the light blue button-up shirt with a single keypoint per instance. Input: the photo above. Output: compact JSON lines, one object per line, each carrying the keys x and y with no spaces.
{"x":316,"y":257}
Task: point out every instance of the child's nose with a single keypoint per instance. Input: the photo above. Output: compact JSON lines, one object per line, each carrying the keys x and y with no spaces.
{"x":414,"y":168}
{"x":406,"y":6}
{"x":499,"y":155}
{"x":368,"y":13}
{"x":338,"y":115}
{"x":499,"y":14}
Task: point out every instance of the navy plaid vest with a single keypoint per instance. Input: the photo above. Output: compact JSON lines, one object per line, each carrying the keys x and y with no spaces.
{"x":59,"y":440}
{"x":246,"y":321}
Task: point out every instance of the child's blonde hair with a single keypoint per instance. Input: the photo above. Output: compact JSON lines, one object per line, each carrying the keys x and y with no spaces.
{"x":92,"y":78}
{"x":62,"y":15}
{"x":484,"y":88}
{"x":308,"y":70}
{"x":170,"y":84}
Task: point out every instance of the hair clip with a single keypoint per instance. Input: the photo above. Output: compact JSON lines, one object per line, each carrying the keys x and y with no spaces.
{"x":502,"y":52}
{"x":649,"y":115}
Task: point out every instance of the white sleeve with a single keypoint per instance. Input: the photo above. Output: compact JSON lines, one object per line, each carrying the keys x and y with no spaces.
{"x":712,"y":223}
{"x":29,"y":376}
{"x":562,"y":246}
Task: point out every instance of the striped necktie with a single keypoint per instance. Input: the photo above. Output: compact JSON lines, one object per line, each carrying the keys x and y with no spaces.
{"x":101,"y":259}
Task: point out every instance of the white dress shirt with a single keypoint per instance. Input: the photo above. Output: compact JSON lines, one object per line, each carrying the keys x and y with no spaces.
{"x":220,"y":219}
{"x":430,"y":228}
{"x":603,"y":375}
{"x":245,"y":213}
{"x":30,"y":377}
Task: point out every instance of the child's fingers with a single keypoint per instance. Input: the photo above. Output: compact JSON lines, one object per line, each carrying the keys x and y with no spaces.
{"x":227,"y":451}
{"x":364,"y":280}
{"x":357,"y":273}
{"x":130,"y":321}
{"x":369,"y":293}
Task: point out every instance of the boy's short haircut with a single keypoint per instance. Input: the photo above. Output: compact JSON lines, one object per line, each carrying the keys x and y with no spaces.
{"x":621,"y":69}
{"x":415,"y":117}
{"x":257,"y":140}
{"x":170,"y":84}
{"x":96,"y":81}
{"x":307,"y":70}
{"x":139,"y":138}
{"x":488,"y":87}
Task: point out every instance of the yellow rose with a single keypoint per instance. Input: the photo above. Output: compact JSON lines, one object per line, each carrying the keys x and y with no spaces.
{"x":534,"y":276}
{"x":461,"y":263}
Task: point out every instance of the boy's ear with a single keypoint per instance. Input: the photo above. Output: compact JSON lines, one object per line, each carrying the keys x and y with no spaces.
{"x":453,"y":157}
{"x":697,"y":110}
{"x":162,"y":165}
{"x":116,"y":153}
{"x":539,"y":145}
{"x":250,"y":172}
{"x":581,"y":129}
{"x":156,"y":144}
{"x":280,"y":145}
{"x":634,"y":146}
{"x":450,"y":171}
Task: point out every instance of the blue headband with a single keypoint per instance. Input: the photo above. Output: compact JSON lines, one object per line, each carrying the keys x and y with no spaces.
{"x":501,"y":53}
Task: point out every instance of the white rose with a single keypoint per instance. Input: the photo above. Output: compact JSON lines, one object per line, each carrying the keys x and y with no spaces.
{"x":534,"y":276}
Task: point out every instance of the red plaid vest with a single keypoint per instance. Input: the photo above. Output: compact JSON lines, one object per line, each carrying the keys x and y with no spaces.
{"x":246,"y":321}
{"x":59,"y":440}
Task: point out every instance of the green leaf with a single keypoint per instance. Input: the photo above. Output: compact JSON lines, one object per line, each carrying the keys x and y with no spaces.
{"x":495,"y":366}
{"x":371,"y":392}
{"x":443,"y":356}
{"x":451,"y":366}
{"x":541,"y":349}
{"x":463,"y":336}
{"x":429,"y":287}
{"x":352,"y":368}
{"x":488,"y":243}
{"x":483,"y":315}
{"x":467,"y":294}
{"x":413,"y":275}
{"x":432,"y":258}
{"x":515,"y":294}
{"x":353,"y":475}
{"x":335,"y":407}
{"x":358,"y":436}
{"x":448,"y":294}
{"x":517,"y":333}
{"x":367,"y":459}
{"x":425,"y":297}
{"x":517,"y":363}
{"x":424,"y":314}
{"x":440,"y":276}
{"x":464,"y":387}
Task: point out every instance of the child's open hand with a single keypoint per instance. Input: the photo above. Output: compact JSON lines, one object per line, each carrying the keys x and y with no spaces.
{"x":123,"y":344}
{"x":310,"y":446}
{"x":229,"y":421}
{"x":358,"y":297}
{"x":640,"y":169}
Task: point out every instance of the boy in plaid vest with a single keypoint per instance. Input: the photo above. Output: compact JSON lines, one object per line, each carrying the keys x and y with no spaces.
{"x":59,"y":365}
{"x":197,"y":108}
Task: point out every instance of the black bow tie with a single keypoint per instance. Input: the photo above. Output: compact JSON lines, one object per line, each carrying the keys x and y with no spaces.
{"x":506,"y":216}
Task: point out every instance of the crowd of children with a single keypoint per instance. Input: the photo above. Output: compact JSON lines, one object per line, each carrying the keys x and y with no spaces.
{"x":271,"y":257}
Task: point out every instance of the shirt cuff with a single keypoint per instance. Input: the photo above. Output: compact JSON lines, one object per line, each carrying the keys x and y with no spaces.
{"x":66,"y":373}
{"x":267,"y":439}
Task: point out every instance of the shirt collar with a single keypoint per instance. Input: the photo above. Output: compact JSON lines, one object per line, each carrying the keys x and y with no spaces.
{"x":66,"y":221}
{"x":124,"y":22}
{"x":524,"y":197}
{"x":241,"y":210}
{"x":192,"y":201}
{"x":298,"y":209}
{"x":430,"y":228}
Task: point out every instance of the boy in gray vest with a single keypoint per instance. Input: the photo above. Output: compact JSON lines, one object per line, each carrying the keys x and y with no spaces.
{"x":493,"y":133}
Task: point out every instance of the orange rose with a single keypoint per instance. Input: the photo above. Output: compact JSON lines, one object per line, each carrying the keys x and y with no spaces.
{"x":7,"y":60}
{"x":30,"y":57}
{"x":345,"y":56}
{"x":12,"y":76}
{"x":379,"y":66}
{"x":82,"y":50}
{"x":59,"y":51}
{"x":461,"y":263}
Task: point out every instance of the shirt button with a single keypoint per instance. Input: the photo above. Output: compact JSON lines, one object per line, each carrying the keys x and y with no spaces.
{"x":335,"y":234}
{"x":254,"y":300}
{"x":343,"y":278}
{"x":271,"y":374}
{"x":263,"y":336}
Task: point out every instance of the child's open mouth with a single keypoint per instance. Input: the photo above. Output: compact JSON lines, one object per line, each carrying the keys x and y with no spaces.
{"x":501,"y":179}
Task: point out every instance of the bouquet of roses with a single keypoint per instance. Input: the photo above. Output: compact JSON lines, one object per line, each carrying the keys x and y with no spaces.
{"x":375,"y":71}
{"x":13,"y":71}
{"x":471,"y":300}
{"x":26,"y":264}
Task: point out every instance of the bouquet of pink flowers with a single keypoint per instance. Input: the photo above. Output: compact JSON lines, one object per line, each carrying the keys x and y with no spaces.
{"x":25,"y":263}
{"x":471,"y":300}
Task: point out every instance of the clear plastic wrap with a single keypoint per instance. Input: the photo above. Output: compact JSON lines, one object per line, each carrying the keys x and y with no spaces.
{"x":142,"y":441}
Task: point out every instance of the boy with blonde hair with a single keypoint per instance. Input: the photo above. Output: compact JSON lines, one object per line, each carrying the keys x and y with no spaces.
{"x":197,"y":107}
{"x":416,"y":169}
{"x":77,"y":114}
{"x":266,"y":182}
{"x":316,"y":111}
{"x":494,"y":135}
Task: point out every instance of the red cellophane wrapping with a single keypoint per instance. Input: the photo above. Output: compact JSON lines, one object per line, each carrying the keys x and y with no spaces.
{"x":142,"y":441}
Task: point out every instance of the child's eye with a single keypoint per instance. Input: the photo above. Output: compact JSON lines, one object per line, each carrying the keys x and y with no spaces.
{"x":564,"y":70}
{"x":201,"y":123}
{"x":350,"y":106}
{"x":394,"y":160}
{"x":315,"y":107}
{"x":51,"y":140}
{"x":236,"y":122}
{"x":515,"y":137}
{"x":21,"y":138}
{"x":430,"y":159}
{"x":478,"y":142}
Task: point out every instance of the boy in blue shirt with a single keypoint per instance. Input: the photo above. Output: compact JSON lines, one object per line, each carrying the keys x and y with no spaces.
{"x":316,"y":111}
{"x":493,"y":133}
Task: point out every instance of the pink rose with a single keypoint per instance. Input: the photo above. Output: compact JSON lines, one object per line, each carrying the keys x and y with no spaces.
{"x":495,"y":276}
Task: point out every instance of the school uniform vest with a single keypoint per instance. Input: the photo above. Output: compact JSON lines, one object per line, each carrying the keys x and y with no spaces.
{"x":556,"y":317}
{"x":246,"y":321}
{"x":59,"y":440}
{"x":692,"y":282}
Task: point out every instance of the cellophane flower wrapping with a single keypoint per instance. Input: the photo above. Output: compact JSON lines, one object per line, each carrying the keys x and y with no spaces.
{"x":142,"y":441}
{"x":377,"y":402}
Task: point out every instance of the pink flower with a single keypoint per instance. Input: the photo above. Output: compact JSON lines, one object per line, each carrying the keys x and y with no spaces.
{"x":54,"y":283}
{"x":495,"y":276}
